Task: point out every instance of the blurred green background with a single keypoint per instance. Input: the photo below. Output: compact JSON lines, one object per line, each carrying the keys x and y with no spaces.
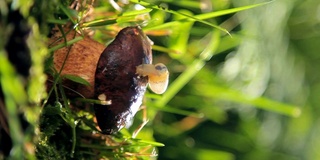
{"x":274,"y":53}
{"x":250,"y":95}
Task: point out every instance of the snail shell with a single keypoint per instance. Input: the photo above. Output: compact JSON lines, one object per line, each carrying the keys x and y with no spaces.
{"x":118,"y":74}
{"x":80,"y":60}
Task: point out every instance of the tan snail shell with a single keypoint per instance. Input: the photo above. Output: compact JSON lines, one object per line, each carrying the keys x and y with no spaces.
{"x":81,"y":61}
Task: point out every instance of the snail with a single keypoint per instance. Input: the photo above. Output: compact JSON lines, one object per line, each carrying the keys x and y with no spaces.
{"x":122,"y":75}
{"x":158,"y":76}
{"x":118,"y":74}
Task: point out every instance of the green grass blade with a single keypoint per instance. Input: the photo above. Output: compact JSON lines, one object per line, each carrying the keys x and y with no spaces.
{"x":180,"y":82}
{"x":191,"y":70}
{"x":157,"y":144}
{"x":185,"y":3}
{"x":52,"y":49}
{"x":228,"y":11}
{"x":58,"y":21}
{"x":207,"y":16}
{"x":71,"y":14}
{"x":178,"y":13}
{"x":76,"y":79}
{"x":99,"y":22}
{"x":165,"y":49}
{"x":170,"y":109}
{"x":236,"y":96}
{"x":14,"y":95}
{"x":137,"y":12}
{"x":214,"y":154}
{"x":125,"y":17}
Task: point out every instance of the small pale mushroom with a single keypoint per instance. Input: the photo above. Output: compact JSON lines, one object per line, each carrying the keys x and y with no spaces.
{"x":158,"y":76}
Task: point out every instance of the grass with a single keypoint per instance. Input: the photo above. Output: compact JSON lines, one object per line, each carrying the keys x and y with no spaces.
{"x":200,"y":104}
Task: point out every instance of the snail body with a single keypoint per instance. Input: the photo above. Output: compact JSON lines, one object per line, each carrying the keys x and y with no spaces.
{"x":158,"y":76}
{"x":116,"y":78}
{"x":118,"y":74}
